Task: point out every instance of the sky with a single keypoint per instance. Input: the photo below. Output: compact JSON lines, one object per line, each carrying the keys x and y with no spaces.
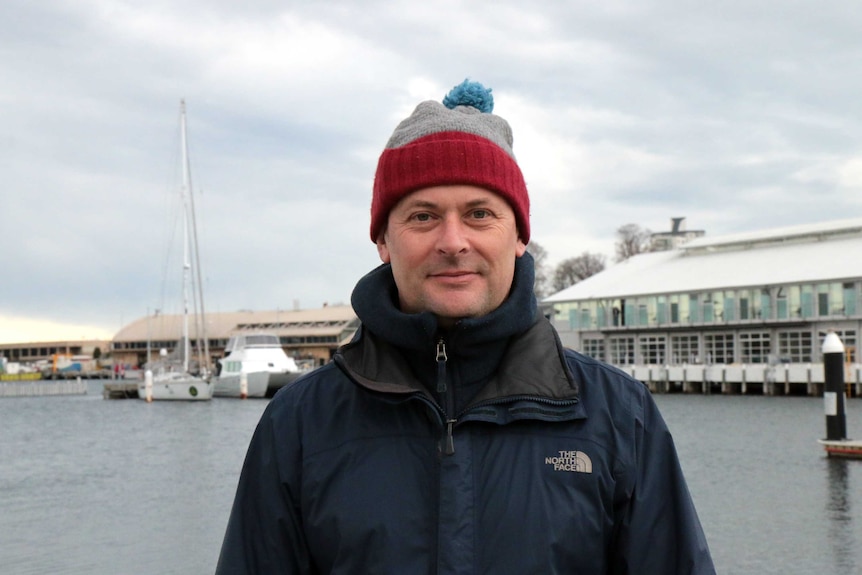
{"x":736,"y":115}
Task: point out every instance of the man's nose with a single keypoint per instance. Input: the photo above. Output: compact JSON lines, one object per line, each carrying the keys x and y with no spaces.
{"x":453,"y":236}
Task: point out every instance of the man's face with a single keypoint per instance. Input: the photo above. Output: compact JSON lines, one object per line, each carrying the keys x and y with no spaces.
{"x":452,"y":250}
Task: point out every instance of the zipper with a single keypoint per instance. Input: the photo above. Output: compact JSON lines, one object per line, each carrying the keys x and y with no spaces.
{"x":448,"y":396}
{"x":441,"y":366}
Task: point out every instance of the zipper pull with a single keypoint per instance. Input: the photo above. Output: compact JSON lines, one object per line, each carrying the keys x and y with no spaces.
{"x":450,"y":441}
{"x":441,"y":366}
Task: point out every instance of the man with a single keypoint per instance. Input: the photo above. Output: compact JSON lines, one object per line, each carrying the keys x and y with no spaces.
{"x":454,"y":434}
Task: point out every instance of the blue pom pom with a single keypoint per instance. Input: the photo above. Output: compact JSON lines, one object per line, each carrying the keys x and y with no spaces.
{"x":469,"y":93}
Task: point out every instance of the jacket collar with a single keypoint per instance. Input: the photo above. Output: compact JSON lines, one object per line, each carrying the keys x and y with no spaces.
{"x":510,"y":351}
{"x":474,"y":346}
{"x":375,"y":301}
{"x":534,"y":367}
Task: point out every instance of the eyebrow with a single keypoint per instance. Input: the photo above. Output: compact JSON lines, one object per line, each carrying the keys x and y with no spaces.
{"x":429,"y":204}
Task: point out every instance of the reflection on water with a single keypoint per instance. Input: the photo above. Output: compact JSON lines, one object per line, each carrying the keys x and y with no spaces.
{"x":770,"y":500}
{"x":840,"y":517}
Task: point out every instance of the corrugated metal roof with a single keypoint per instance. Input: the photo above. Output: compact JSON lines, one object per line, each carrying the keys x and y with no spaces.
{"x":787,"y":233}
{"x":329,"y":320}
{"x":814,"y":253}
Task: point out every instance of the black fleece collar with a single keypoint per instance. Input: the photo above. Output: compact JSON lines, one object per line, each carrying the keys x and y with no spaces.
{"x":475,"y":346}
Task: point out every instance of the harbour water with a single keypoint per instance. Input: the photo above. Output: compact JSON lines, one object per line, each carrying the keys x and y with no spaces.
{"x":95,"y":486}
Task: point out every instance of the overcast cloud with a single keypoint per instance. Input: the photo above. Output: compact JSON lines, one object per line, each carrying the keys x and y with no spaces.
{"x":737,"y":115}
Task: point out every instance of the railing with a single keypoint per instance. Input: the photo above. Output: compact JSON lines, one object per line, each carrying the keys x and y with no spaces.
{"x":42,"y":387}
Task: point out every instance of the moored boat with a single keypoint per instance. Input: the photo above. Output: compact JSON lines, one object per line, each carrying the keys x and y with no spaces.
{"x":844,"y":448}
{"x":175,"y":378}
{"x":263,"y":362}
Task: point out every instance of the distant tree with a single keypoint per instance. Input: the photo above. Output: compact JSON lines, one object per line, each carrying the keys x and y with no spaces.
{"x":97,"y":353}
{"x":631,"y":241}
{"x":570,"y":271}
{"x":540,"y":256}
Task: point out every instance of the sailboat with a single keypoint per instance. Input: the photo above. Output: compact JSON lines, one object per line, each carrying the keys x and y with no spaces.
{"x":175,"y":376}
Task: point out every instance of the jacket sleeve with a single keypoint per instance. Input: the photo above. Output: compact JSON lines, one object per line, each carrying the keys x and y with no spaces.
{"x":658,"y":530}
{"x":264,"y":532}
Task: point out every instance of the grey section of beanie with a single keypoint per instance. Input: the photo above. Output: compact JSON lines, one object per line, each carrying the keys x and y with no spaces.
{"x":431,"y":117}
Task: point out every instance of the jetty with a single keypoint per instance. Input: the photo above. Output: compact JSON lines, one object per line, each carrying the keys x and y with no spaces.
{"x":40,"y":387}
{"x":120,"y":390}
{"x":753,"y":379}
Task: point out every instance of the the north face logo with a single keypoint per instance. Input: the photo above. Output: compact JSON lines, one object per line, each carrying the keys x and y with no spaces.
{"x":574,"y":461}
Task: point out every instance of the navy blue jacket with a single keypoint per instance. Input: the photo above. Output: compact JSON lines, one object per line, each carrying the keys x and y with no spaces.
{"x":393,"y":461}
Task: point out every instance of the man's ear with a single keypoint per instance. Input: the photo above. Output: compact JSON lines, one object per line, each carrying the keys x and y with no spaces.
{"x":383,"y":249}
{"x":519,"y":249}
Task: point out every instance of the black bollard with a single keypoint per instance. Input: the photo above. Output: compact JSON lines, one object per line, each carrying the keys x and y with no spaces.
{"x":833,"y":393}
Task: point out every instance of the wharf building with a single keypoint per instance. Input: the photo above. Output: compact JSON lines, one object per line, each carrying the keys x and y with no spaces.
{"x":310,"y":336}
{"x":45,"y":350}
{"x":62,"y":359}
{"x":742,"y":313}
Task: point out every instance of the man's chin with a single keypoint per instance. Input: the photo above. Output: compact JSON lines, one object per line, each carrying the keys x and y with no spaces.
{"x":448,"y":313}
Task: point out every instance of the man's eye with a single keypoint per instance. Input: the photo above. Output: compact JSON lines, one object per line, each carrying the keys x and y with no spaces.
{"x":481,"y":214}
{"x":422,"y":217}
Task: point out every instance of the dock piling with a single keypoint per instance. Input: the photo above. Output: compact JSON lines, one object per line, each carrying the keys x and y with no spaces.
{"x":833,"y":391}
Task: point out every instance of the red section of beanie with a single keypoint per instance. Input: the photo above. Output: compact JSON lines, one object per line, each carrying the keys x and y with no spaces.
{"x":448,"y":158}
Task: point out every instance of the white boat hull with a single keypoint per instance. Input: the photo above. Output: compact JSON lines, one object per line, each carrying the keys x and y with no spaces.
{"x":258,"y":355}
{"x":187,"y":388}
{"x":229,"y":385}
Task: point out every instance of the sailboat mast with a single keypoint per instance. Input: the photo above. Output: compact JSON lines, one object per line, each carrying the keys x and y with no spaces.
{"x":200,"y":314}
{"x":186,"y":263}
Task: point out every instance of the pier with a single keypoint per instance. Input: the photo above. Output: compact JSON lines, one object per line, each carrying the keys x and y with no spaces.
{"x":756,"y":379}
{"x":30,"y":388}
{"x":120,"y":390}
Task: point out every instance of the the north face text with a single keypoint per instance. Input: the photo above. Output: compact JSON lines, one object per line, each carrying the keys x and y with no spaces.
{"x":574,"y":461}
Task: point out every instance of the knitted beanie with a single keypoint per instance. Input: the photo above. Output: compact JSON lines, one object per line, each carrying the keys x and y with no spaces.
{"x":457,"y":142}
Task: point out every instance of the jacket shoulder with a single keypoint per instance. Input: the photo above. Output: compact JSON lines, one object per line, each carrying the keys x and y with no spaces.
{"x":605,"y":384}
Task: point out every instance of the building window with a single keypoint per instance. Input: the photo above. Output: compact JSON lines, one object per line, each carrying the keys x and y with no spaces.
{"x":795,"y":346}
{"x":629,"y":313}
{"x":563,"y":311}
{"x":806,"y":301}
{"x":661,"y":310}
{"x":729,"y":308}
{"x":682,"y":314}
{"x":573,"y":319}
{"x":794,"y":301}
{"x":602,"y":314}
{"x":754,"y":347}
{"x":684,"y":349}
{"x":643,"y":313}
{"x":693,"y":308}
{"x":765,"y":310}
{"x":823,"y":304}
{"x":718,"y":347}
{"x":849,"y":299}
{"x":848,"y":338}
{"x":708,"y":309}
{"x":622,"y":350}
{"x":718,"y":306}
{"x":781,"y":304}
{"x":586,"y":318}
{"x":594,"y":347}
{"x":653,"y":349}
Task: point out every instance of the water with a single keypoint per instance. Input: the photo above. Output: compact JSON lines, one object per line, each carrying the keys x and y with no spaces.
{"x":768,"y":498}
{"x":99,"y":486}
{"x":94,"y":486}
